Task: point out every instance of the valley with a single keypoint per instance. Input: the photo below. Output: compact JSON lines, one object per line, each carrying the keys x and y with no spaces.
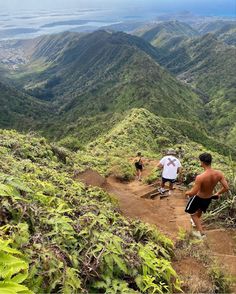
{"x":76,"y":107}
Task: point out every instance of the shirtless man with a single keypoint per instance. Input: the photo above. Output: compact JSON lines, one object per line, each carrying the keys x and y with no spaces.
{"x":202,"y":192}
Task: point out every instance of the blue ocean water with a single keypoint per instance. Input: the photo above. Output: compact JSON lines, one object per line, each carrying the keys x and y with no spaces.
{"x":33,"y":23}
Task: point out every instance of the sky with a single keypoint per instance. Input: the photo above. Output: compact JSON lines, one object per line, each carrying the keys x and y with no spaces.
{"x":218,"y":7}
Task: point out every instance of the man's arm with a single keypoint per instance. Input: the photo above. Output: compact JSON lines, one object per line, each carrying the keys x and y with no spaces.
{"x":160,"y":165}
{"x":225,"y":186}
{"x":179,"y":170}
{"x":195,"y":188}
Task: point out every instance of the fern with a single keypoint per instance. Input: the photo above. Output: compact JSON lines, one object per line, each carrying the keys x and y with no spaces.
{"x":13,"y":270}
{"x":7,"y":287}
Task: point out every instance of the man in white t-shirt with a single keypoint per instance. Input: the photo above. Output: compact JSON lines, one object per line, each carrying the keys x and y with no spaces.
{"x":171,"y":167}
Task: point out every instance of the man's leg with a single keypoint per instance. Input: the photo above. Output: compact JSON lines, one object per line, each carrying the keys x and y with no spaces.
{"x":171,"y":188}
{"x":162,"y":183}
{"x":139,"y":174}
{"x":162,"y":189}
{"x":196,"y":217}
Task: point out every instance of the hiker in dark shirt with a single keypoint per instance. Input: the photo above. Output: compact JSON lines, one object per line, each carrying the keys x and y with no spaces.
{"x":180,"y":152}
{"x":138,"y":162}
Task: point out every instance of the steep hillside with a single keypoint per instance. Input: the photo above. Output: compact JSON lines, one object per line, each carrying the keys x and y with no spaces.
{"x":49,"y":47}
{"x":208,"y":65}
{"x":158,"y":34}
{"x":224,"y":30}
{"x":59,"y":237}
{"x":214,"y":26}
{"x":227,"y":34}
{"x":104,"y":72}
{"x":92,"y":80}
{"x":142,"y":130}
{"x":19,"y":110}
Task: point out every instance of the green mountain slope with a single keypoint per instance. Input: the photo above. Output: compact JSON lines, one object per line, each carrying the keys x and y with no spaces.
{"x":224,"y":30}
{"x":208,"y":65}
{"x":19,"y":110}
{"x":93,"y":80}
{"x":107,"y":73}
{"x":227,"y":34}
{"x":49,"y":47}
{"x":160,"y":33}
{"x":61,"y":228}
{"x":142,"y":130}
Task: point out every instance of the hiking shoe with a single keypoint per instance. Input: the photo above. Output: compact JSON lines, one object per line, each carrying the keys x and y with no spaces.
{"x":198,"y":235}
{"x":161,"y":190}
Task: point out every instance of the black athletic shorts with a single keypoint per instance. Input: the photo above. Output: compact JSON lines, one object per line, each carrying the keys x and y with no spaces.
{"x":195,"y":203}
{"x":164,"y":180}
{"x":138,"y":166}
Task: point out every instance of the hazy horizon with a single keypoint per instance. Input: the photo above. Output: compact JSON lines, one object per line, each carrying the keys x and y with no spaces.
{"x":210,"y":7}
{"x":30,"y":18}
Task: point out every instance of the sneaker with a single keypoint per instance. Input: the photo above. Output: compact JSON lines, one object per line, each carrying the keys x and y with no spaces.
{"x":170,"y":193}
{"x":198,"y":235}
{"x":161,"y":190}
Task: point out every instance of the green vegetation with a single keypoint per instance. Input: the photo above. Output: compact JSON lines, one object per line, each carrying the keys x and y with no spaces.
{"x":222,"y":283}
{"x":107,"y":99}
{"x":204,"y":62}
{"x":159,"y":34}
{"x":223,"y":213}
{"x":197,"y":133}
{"x":13,"y":269}
{"x":213,"y":279}
{"x":222,"y":29}
{"x":122,"y":75}
{"x":19,"y":110}
{"x":88,"y":98}
{"x":72,"y":237}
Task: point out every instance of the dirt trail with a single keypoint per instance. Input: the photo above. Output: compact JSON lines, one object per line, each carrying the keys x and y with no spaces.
{"x":168,"y":215}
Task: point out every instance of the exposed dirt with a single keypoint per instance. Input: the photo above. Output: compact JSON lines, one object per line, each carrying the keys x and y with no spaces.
{"x":222,"y":244}
{"x":193,"y":274}
{"x":168,"y":215}
{"x":91,"y":178}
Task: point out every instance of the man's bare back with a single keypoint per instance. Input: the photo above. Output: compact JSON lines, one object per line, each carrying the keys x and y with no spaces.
{"x":203,"y":190}
{"x":208,"y":181}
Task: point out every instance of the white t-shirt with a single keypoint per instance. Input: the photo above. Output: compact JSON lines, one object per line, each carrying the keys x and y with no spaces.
{"x":170,"y":167}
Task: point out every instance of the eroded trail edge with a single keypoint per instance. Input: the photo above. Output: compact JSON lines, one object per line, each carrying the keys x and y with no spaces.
{"x":168,"y":215}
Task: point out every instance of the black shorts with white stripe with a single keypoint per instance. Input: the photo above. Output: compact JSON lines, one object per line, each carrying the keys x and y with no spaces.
{"x":172,"y":181}
{"x":196,"y":203}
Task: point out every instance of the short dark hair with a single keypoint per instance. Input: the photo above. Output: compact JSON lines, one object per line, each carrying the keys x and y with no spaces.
{"x":139,"y":154}
{"x":206,"y":158}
